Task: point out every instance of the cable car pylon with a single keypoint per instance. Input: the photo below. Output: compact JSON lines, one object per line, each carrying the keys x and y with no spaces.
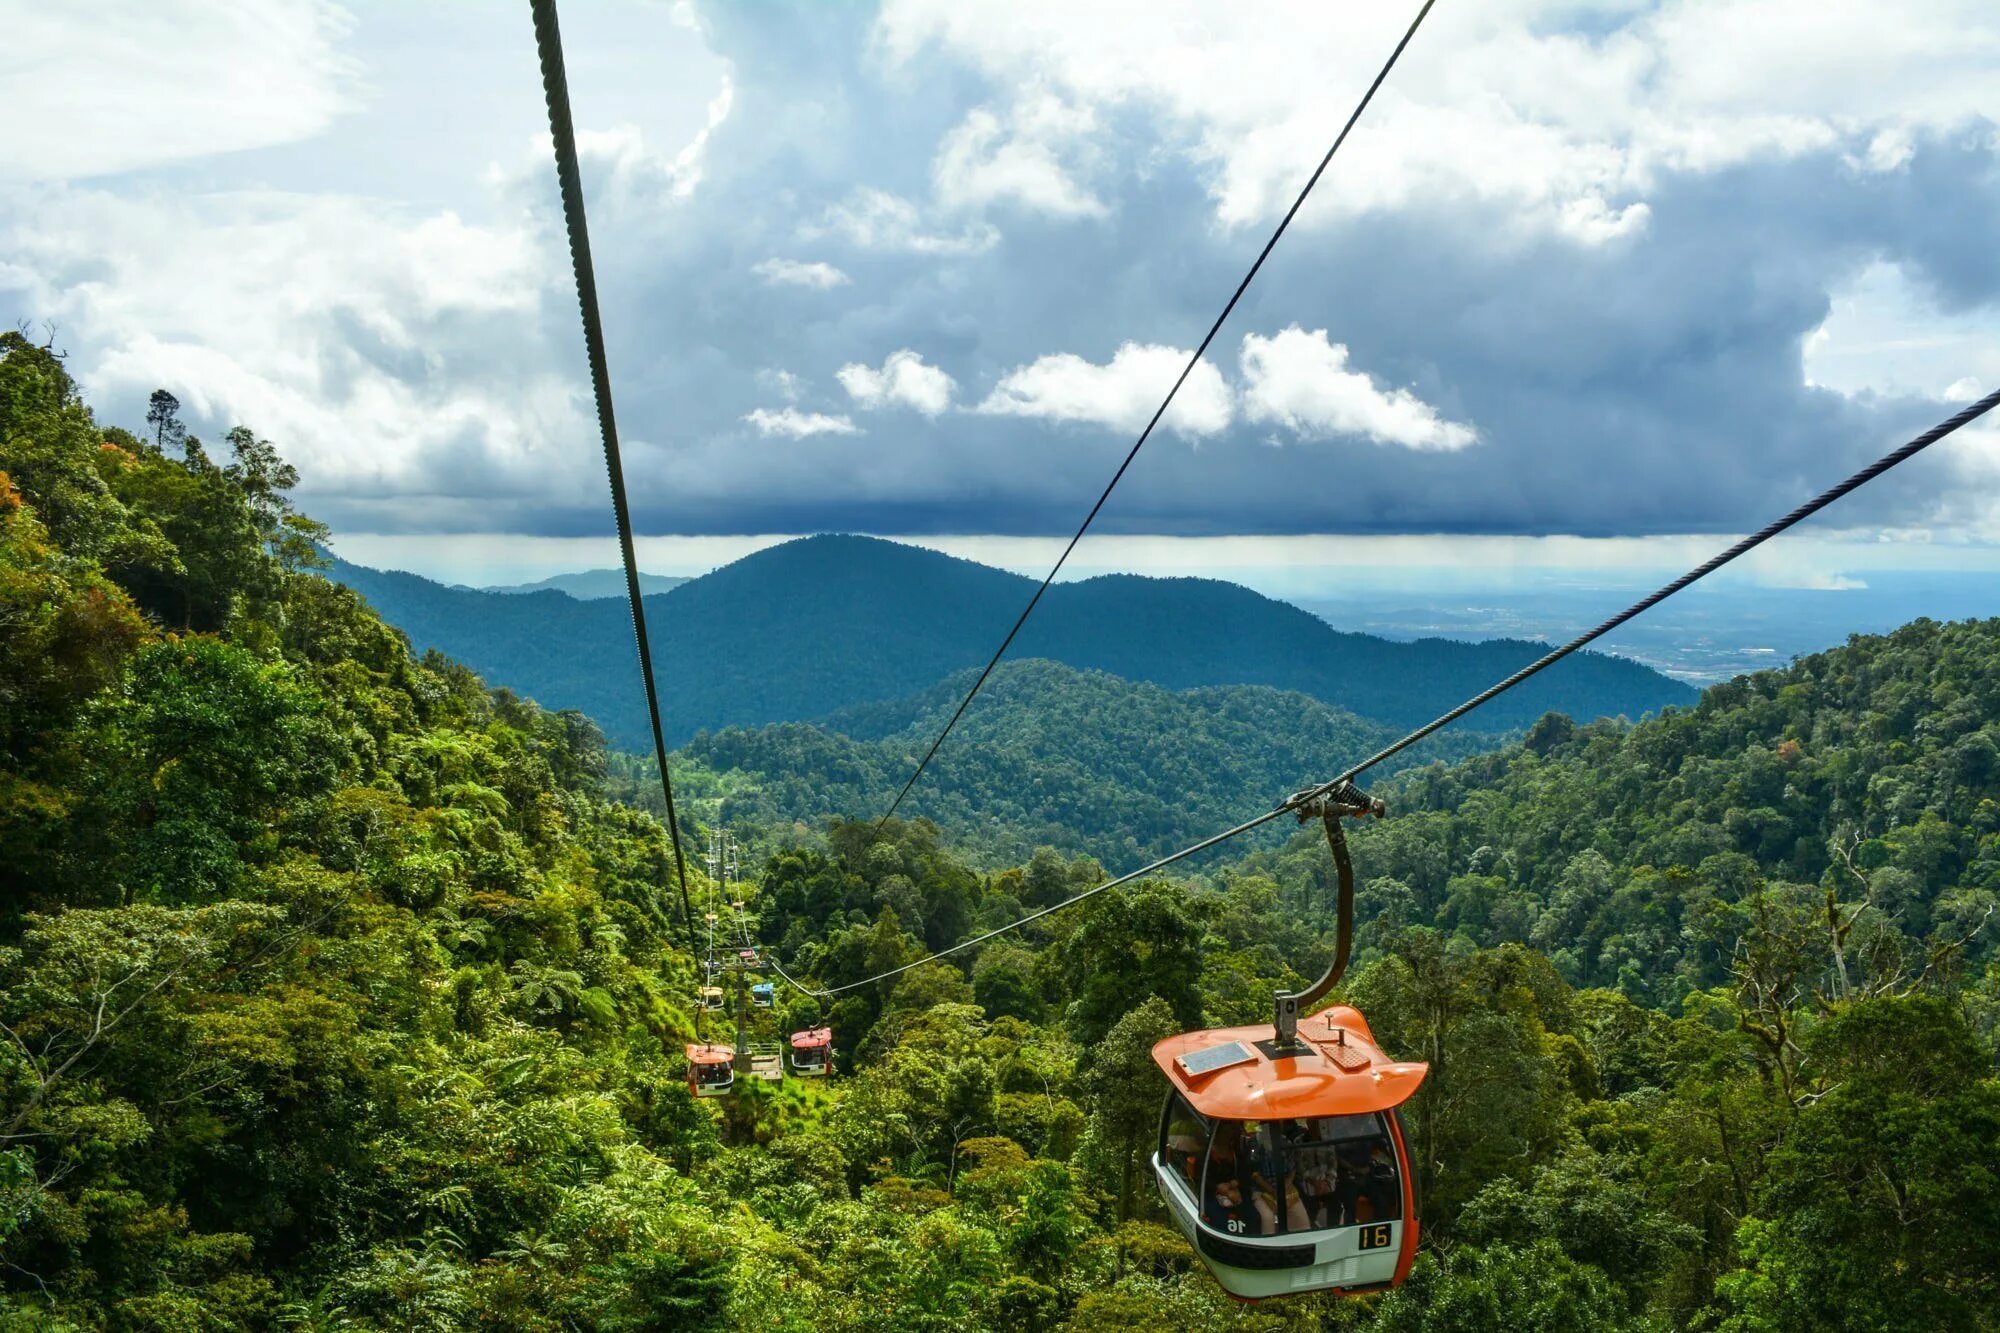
{"x":711,"y":1067}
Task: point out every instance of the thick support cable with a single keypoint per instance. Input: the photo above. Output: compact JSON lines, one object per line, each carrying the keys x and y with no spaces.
{"x":1146,"y":434}
{"x":555,"y":88}
{"x":1319,"y":793}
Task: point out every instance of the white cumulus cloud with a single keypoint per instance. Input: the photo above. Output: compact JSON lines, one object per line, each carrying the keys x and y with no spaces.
{"x":1301,"y":381}
{"x":631,"y":175}
{"x":1549,"y":123}
{"x":903,"y":381}
{"x":877,"y":220}
{"x":138,"y":83}
{"x":794,"y":424}
{"x":794,"y":273}
{"x":1122,"y":394}
{"x":1028,"y":159}
{"x":313,"y":312}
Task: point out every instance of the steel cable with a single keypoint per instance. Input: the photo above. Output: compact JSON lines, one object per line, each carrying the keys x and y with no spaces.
{"x":555,"y":90}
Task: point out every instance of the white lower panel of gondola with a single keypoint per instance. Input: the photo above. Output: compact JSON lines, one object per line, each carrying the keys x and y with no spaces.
{"x":1281,"y":1265}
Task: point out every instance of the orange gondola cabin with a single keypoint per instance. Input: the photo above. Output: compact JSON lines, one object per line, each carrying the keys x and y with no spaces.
{"x":1287,"y":1168}
{"x":1282,"y":1156}
{"x":711,"y":1070}
{"x":812,"y":1052}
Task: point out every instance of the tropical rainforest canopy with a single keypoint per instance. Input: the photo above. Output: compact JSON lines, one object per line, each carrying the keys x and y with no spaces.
{"x":339,"y":992}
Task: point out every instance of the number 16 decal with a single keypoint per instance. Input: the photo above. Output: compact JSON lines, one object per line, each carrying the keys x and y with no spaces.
{"x":1375,"y":1236}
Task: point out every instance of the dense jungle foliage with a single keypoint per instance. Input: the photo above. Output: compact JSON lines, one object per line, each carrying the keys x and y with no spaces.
{"x":336,"y":993}
{"x":1081,"y":761}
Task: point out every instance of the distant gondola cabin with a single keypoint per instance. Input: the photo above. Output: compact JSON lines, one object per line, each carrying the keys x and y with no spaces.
{"x":812,"y":1052}
{"x":711,"y":1070}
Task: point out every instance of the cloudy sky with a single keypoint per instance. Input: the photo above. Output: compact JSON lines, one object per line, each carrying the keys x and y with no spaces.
{"x":1590,"y":274}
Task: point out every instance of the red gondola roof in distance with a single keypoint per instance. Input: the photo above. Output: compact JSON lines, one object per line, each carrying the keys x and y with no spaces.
{"x":811,"y":1037}
{"x":709,"y":1055}
{"x":1342,"y":1073}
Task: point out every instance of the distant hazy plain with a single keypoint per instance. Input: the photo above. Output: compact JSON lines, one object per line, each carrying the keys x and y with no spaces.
{"x":1708,"y":633}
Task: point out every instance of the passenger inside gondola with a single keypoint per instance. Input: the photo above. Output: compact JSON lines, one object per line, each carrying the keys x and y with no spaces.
{"x":1283,"y":1177}
{"x":1274,"y":1188}
{"x":1226,"y":1211}
{"x":1272,"y":1178}
{"x":1228,"y":1207}
{"x":1184,"y":1142}
{"x":1354,"y":1205}
{"x":1277,"y":1221}
{"x":1367,"y":1189}
{"x":1319,"y":1177}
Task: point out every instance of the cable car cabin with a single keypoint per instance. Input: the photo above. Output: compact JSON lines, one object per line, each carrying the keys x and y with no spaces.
{"x":763,"y":995}
{"x":812,"y":1053}
{"x":1287,"y":1168}
{"x":711,"y":1070}
{"x":710,"y":997}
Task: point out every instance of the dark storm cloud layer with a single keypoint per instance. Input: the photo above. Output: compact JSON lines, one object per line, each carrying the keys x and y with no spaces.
{"x":1652,"y":383}
{"x":1649,"y":384}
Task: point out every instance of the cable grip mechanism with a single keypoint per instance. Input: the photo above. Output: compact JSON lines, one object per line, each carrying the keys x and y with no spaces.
{"x":1329,"y":804}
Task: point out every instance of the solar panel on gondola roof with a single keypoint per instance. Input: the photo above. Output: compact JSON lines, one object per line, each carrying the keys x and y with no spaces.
{"x":1196,"y":1063}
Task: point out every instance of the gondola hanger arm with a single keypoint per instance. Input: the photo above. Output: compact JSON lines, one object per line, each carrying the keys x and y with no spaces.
{"x":1330,"y":805}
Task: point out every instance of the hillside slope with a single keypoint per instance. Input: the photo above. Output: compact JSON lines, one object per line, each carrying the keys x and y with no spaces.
{"x":800,"y":631}
{"x":1080,"y":760}
{"x":1872,"y":770}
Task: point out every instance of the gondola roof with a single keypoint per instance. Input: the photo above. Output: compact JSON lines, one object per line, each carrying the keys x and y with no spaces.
{"x":1339,"y":1071}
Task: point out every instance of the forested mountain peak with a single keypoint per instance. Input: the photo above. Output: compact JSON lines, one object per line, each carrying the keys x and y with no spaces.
{"x":590,"y":584}
{"x":843,"y":557}
{"x":802,"y":630}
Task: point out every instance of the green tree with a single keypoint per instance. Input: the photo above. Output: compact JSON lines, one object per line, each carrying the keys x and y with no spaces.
{"x":1882,"y":1206}
{"x":204,"y":750}
{"x":1132,"y":945}
{"x":1124,"y":1092}
{"x":1004,"y":983}
{"x":1502,"y":1288}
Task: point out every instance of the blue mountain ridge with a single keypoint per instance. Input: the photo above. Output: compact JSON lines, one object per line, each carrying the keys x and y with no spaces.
{"x":818,"y":625}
